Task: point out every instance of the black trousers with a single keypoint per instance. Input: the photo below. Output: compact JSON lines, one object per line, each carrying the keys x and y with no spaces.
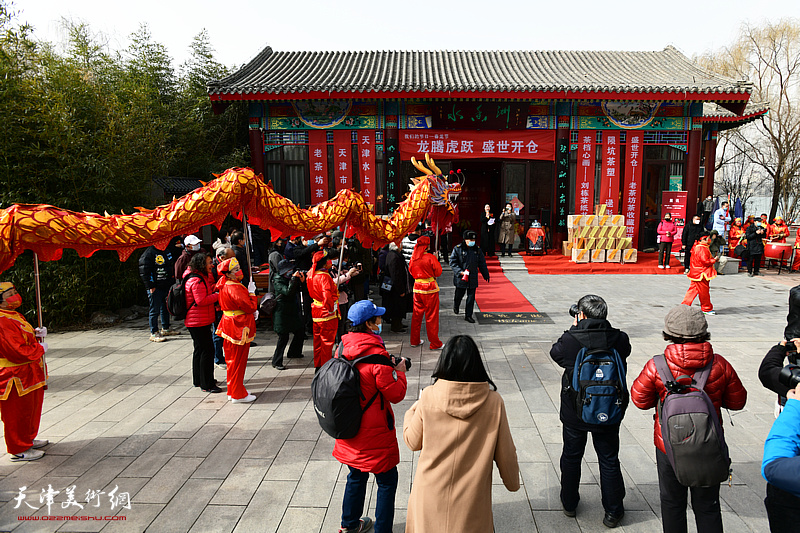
{"x":612,"y":486}
{"x":664,"y":248}
{"x":295,"y":349}
{"x":202,"y":357}
{"x":470,"y":305}
{"x":754,"y":264}
{"x":783,"y":510}
{"x":687,"y":257}
{"x":705,"y":502}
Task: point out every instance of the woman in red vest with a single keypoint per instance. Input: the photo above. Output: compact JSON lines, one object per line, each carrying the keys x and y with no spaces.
{"x":237,"y":327}
{"x":23,"y":377}
{"x":324,"y":308}
{"x":701,"y":272}
{"x":425,"y":268}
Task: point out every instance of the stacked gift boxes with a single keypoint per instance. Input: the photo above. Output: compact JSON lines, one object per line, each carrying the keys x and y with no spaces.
{"x":598,"y":238}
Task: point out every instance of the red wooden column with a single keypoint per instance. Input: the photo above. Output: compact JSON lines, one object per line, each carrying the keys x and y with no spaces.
{"x":559,"y":234}
{"x":695,"y":138}
{"x":257,"y":151}
{"x":710,"y":155}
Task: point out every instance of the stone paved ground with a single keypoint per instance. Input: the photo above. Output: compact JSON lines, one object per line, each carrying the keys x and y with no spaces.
{"x":121,"y":412}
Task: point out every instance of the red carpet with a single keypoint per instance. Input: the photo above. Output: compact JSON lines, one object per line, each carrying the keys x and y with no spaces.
{"x":500,"y":295}
{"x":556,"y":263}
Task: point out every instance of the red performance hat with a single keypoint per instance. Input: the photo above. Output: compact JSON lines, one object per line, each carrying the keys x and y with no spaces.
{"x":227,"y":265}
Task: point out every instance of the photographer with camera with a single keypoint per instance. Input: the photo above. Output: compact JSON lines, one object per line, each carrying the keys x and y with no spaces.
{"x":772,"y":373}
{"x":781,"y":463}
{"x":592,"y":331}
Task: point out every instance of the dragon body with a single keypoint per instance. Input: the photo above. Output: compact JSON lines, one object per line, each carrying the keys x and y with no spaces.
{"x":47,"y":230}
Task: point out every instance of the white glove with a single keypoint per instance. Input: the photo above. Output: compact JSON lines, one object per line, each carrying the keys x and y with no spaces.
{"x":41,"y":332}
{"x":44,"y":345}
{"x":251,"y":287}
{"x":255,"y":315}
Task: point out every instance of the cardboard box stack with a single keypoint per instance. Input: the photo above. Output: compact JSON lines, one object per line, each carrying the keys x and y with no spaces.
{"x":598,"y":238}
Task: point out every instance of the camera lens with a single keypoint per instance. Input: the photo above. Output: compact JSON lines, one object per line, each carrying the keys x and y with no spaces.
{"x":790,"y":376}
{"x":573,"y":310}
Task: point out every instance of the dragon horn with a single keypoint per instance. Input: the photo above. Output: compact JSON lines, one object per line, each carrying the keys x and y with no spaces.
{"x":420,"y":166}
{"x":431,"y":164}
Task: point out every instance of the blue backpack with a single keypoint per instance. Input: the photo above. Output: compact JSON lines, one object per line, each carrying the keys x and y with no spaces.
{"x":599,"y":382}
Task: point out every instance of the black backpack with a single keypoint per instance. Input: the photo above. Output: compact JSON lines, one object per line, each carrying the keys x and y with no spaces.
{"x":336,"y":393}
{"x":176,"y":298}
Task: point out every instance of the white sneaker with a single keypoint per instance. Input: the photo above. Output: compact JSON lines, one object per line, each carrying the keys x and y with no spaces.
{"x":221,"y":366}
{"x":660,"y":266}
{"x":28,"y":455}
{"x":169,"y":332}
{"x":40,"y":443}
{"x":247,"y":399}
{"x":668,"y":266}
{"x":157,"y":337}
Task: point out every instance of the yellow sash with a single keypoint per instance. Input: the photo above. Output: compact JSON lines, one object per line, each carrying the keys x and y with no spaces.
{"x":232,"y":313}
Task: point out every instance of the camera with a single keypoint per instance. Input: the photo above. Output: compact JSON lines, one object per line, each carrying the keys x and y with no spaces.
{"x":790,"y":376}
{"x":397,"y":360}
{"x":574,"y":311}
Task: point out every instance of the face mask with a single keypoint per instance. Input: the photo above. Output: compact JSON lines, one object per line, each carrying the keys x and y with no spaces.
{"x":13,"y":302}
{"x":695,"y":221}
{"x":378,"y":331}
{"x":470,"y":243}
{"x":193,"y":247}
{"x":239,"y":275}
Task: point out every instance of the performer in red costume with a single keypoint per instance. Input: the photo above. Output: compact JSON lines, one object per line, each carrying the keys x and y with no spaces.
{"x":779,"y":231}
{"x":425,"y":269}
{"x":324,"y":308}
{"x":23,"y":377}
{"x":701,"y":272}
{"x":735,"y":235}
{"x":237,"y":327}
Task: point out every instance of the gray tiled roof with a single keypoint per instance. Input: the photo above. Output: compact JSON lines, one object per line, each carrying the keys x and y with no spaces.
{"x":279,"y":73}
{"x":712,"y":110}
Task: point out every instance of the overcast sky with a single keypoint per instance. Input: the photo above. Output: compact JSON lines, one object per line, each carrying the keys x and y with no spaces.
{"x":240,"y":30}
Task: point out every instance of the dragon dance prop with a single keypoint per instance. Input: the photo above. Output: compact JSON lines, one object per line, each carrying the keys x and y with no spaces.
{"x":47,"y":230}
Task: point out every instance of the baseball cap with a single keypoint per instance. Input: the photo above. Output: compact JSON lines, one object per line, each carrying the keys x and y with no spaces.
{"x":362,"y":311}
{"x":191,"y":240}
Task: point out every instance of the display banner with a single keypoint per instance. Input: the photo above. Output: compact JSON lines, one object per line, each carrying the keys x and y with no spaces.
{"x":674,"y":203}
{"x":609,"y":172}
{"x":584,"y":173}
{"x":562,"y":185}
{"x":318,"y":165}
{"x":342,"y":159}
{"x":466,"y":144}
{"x":366,"y":158}
{"x":393,"y":194}
{"x":633,"y":185}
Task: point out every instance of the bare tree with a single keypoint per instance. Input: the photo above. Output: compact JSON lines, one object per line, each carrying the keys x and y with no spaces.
{"x":736,"y":176}
{"x":769,"y":57}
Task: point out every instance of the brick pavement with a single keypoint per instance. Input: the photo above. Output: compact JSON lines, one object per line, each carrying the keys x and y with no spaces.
{"x":121,"y":412}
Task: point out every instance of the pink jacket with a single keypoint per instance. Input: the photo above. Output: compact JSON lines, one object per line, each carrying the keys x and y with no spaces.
{"x":199,"y":292}
{"x":667,"y":230}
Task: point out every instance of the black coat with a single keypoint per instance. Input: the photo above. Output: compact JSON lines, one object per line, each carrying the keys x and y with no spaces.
{"x":755,"y":239}
{"x":399,"y":300}
{"x":690,"y":234}
{"x":468,"y":258}
{"x":591,"y":333}
{"x":156,"y":267}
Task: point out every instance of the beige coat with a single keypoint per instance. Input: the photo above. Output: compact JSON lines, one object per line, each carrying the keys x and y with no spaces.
{"x":461,"y":429}
{"x":507,"y":234}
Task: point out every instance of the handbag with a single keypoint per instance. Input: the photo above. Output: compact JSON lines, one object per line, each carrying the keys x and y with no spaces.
{"x":268,"y":304}
{"x":386,"y":285}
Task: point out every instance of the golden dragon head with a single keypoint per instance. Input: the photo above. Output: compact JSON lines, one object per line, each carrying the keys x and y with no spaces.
{"x":444,"y":190}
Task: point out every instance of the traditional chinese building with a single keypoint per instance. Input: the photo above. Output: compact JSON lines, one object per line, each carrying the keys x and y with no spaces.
{"x":555,"y":133}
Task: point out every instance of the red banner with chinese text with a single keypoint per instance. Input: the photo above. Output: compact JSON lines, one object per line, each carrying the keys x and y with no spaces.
{"x":342,"y":159}
{"x":466,"y":144}
{"x":318,"y":165}
{"x":366,"y":158}
{"x":584,"y":177}
{"x":633,"y":185}
{"x":674,"y":203}
{"x":609,"y":172}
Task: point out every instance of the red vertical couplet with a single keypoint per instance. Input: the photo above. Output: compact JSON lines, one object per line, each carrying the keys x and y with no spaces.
{"x":609,"y":172}
{"x":584,"y":178}
{"x":366,"y":158}
{"x":318,"y":165}
{"x":633,"y":185}
{"x":342,"y":159}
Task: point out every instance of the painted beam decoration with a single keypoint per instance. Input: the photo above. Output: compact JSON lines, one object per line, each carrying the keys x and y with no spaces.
{"x":47,"y":230}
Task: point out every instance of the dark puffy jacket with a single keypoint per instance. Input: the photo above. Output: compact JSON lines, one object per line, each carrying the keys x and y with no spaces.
{"x":723,"y":385}
{"x":592,"y":333}
{"x":200,"y":292}
{"x":770,"y":369}
{"x":690,"y":234}
{"x":468,"y":258}
{"x":155,"y":268}
{"x":374,"y":448}
{"x":755,"y":239}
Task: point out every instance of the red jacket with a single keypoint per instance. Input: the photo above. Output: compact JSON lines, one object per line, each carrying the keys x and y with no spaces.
{"x":701,"y":266}
{"x":427,"y":268}
{"x":324,"y":296}
{"x":238,"y":324}
{"x":374,"y":449}
{"x":21,"y":363}
{"x":200,"y":292}
{"x":723,"y":385}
